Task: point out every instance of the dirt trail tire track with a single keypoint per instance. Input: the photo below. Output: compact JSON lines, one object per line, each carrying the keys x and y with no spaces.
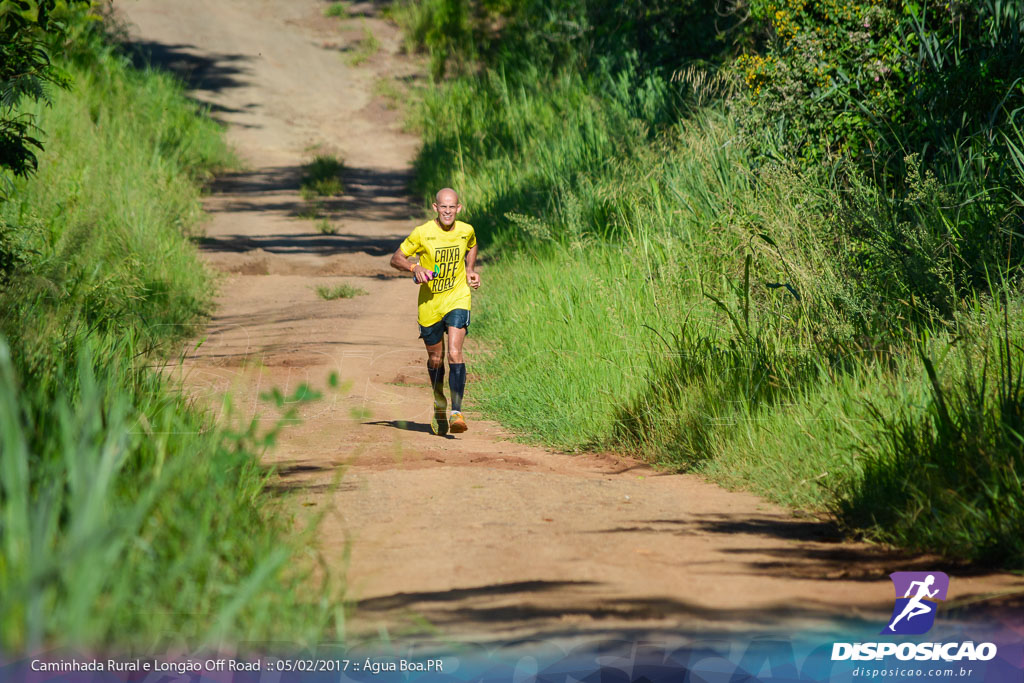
{"x":478,"y":535}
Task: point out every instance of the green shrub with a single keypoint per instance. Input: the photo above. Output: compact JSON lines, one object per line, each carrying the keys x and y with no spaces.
{"x":657,"y":36}
{"x":441,"y":27}
{"x":904,"y":103}
{"x":875,"y":80}
{"x":28,"y":30}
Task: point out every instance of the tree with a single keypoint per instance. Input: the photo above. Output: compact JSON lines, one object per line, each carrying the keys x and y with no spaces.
{"x":27,"y":29}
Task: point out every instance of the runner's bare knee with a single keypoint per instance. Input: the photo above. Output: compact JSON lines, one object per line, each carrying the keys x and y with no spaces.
{"x":435,"y":354}
{"x":456,"y":336}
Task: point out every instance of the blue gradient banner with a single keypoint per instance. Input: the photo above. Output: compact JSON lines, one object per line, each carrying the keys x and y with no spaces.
{"x":613,"y":658}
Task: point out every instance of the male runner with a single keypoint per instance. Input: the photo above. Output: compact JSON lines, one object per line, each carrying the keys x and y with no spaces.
{"x":445,"y":271}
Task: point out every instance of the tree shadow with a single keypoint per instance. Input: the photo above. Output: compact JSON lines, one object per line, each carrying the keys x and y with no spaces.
{"x":292,"y":477}
{"x":539,"y":606}
{"x":205,"y":71}
{"x":401,"y":600}
{"x":817,"y":549}
{"x":369,"y":194}
{"x":306,"y":244}
{"x":200,"y":71}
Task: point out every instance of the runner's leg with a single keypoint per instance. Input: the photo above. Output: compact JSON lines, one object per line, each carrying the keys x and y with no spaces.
{"x":435,"y":369}
{"x":456,"y":366}
{"x":435,"y":366}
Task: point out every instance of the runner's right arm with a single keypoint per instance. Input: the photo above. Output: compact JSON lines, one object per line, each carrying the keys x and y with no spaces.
{"x":400,"y":261}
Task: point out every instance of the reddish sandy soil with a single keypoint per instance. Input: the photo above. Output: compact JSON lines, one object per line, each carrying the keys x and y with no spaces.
{"x":474,"y":536}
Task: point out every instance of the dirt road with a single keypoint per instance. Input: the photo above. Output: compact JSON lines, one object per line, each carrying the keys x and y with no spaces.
{"x":475,"y":535}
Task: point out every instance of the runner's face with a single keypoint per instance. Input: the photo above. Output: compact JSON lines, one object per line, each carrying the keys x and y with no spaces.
{"x":447,"y":206}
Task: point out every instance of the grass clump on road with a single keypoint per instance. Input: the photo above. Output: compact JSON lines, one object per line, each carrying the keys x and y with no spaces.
{"x":325,"y":227}
{"x":337,"y":9}
{"x":364,"y":48}
{"x":311,"y":209}
{"x":390,"y":91}
{"x":127,"y":517}
{"x":341,"y":291}
{"x":322,"y":177}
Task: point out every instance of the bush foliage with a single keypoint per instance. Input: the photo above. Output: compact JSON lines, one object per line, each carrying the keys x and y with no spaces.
{"x":29,"y":29}
{"x":875,"y":80}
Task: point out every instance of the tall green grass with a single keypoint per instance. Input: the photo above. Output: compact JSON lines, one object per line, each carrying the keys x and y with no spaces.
{"x":653,"y":288}
{"x":129,"y":522}
{"x":127,"y":519}
{"x":947,"y":477}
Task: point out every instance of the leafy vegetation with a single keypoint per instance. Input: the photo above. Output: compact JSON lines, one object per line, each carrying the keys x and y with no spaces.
{"x":737,"y":252}
{"x":125,"y":516}
{"x":27,"y":27}
{"x":577,"y":35}
{"x":875,"y":80}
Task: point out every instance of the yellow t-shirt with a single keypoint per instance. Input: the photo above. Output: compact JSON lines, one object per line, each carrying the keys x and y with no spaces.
{"x":445,"y":249}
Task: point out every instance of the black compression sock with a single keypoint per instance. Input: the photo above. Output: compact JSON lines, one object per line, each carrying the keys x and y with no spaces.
{"x":436,"y":379}
{"x":457,"y":383}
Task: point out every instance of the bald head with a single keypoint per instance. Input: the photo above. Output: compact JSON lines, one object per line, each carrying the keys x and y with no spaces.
{"x":446,"y":193}
{"x":446,"y":204}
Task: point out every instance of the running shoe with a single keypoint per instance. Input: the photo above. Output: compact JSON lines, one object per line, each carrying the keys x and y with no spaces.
{"x":458,"y":424}
{"x":439,"y":423}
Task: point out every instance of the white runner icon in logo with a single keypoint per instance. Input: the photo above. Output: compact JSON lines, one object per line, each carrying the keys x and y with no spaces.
{"x":917,"y":606}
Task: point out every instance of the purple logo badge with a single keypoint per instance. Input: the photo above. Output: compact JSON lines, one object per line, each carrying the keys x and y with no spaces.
{"x":917,"y":596}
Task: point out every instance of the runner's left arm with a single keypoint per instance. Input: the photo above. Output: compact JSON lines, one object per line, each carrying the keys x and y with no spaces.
{"x":472,"y":277}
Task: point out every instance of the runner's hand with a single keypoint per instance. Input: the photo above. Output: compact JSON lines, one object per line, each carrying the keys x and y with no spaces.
{"x":473,"y":278}
{"x":421,"y":274}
